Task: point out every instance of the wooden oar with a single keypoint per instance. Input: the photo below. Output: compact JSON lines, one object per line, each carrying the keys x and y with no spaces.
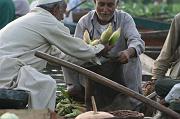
{"x":107,"y":82}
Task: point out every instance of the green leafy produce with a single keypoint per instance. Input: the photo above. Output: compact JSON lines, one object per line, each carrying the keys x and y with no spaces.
{"x":66,"y":106}
{"x":75,"y":112}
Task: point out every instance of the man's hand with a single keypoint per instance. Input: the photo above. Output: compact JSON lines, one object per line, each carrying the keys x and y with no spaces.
{"x":149,"y":87}
{"x":163,"y":102}
{"x":125,"y":55}
{"x":104,"y":52}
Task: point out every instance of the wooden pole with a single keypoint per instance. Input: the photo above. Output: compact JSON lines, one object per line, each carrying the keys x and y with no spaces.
{"x":107,"y":82}
{"x":154,"y":34}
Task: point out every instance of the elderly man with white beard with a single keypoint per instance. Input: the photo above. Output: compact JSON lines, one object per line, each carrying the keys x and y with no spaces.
{"x":125,"y":69}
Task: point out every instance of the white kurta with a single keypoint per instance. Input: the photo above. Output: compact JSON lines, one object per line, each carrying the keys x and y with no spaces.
{"x":19,"y":40}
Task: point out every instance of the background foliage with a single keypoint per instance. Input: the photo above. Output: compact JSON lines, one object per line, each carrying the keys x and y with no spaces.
{"x":152,"y":10}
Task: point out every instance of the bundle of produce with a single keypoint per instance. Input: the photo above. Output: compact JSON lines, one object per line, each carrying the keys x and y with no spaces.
{"x":66,"y":106}
{"x":108,"y":36}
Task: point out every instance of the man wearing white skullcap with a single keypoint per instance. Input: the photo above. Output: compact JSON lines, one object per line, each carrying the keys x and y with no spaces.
{"x":39,"y":30}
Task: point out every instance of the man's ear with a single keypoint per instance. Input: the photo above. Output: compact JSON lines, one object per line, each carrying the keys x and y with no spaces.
{"x":56,"y":9}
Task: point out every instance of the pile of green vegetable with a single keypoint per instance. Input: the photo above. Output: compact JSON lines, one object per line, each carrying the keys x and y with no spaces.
{"x":66,"y":106}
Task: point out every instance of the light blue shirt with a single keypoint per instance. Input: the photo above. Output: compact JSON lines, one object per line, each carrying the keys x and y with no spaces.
{"x":73,"y":3}
{"x":129,"y":38}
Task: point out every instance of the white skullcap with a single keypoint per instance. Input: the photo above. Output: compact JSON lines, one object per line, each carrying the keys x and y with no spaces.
{"x":42,"y":2}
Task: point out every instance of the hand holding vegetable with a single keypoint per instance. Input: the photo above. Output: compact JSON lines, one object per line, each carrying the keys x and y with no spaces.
{"x":125,"y":55}
{"x":105,"y":51}
{"x":107,"y":37}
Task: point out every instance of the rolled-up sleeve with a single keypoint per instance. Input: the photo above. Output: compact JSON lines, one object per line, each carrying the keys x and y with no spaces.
{"x":168,"y":52}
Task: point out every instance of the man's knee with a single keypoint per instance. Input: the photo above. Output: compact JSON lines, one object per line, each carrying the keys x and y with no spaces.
{"x":77,"y":92}
{"x":161,"y":87}
{"x":74,"y":88}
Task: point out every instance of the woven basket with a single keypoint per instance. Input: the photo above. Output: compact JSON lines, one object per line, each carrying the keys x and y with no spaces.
{"x":126,"y":114}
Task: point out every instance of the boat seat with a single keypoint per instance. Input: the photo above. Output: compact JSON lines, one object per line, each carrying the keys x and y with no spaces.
{"x":13,"y":99}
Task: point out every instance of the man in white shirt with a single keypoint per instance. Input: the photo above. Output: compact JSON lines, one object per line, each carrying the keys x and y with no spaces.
{"x":39,"y":30}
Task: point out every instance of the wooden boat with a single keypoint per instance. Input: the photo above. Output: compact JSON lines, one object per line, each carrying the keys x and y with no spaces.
{"x":144,"y":24}
{"x":154,"y":41}
{"x":154,"y":33}
{"x":106,"y":82}
{"x":29,"y":114}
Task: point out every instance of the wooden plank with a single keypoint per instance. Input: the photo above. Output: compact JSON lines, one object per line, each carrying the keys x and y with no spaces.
{"x":154,"y":38}
{"x":29,"y":114}
{"x":158,"y":34}
{"x":150,"y":24}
